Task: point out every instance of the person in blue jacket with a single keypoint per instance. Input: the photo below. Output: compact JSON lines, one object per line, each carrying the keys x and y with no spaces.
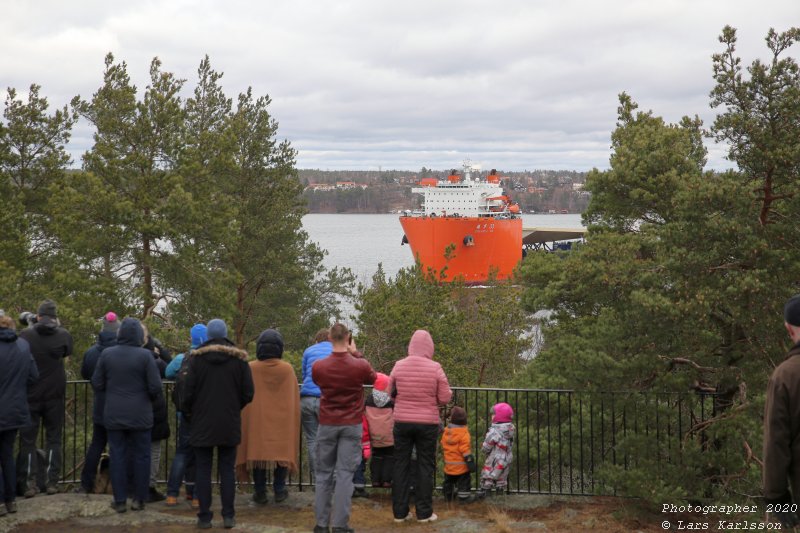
{"x":129,"y":377}
{"x":183,"y":462}
{"x":310,"y":393}
{"x":18,"y":375}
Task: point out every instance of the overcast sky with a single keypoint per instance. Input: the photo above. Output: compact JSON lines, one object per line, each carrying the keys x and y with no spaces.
{"x":361,"y":84}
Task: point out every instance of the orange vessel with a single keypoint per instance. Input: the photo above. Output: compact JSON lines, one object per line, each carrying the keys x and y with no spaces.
{"x":467,"y":228}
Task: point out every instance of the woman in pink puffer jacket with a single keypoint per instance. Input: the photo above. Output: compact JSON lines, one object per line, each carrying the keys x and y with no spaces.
{"x":420,"y":386}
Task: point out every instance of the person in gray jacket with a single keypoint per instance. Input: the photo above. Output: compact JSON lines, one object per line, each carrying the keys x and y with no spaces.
{"x":130,"y":379}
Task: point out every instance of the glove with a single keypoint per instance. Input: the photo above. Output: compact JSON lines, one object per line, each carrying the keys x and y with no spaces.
{"x":367,"y":453}
{"x":789,"y":519}
{"x":470,"y":459}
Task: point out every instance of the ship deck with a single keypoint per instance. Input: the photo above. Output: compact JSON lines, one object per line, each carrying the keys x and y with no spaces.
{"x":538,"y":237}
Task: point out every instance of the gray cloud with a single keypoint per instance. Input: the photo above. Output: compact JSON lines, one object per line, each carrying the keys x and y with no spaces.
{"x":358,"y":84}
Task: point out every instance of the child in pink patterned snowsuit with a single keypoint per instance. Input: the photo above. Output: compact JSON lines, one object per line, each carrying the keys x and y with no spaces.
{"x":498,"y":449}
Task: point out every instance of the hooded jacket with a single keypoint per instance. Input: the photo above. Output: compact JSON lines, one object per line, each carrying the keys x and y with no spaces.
{"x":105,"y":339}
{"x":50,"y":344}
{"x":314,"y":353}
{"x":218,"y":386}
{"x":128,"y":375}
{"x":419,"y":383}
{"x":782,"y":431}
{"x":18,"y":376}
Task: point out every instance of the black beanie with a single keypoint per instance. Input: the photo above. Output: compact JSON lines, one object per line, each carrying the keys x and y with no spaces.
{"x":791,"y":311}
{"x":458,"y":416}
{"x":47,"y":308}
{"x":269,"y":345}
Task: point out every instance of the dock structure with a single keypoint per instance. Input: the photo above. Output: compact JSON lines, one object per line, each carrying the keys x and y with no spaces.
{"x":544,"y":238}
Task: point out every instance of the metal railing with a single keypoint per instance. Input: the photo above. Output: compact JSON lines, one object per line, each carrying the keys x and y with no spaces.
{"x":565,"y":439}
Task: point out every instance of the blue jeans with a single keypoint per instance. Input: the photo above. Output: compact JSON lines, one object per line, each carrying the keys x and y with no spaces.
{"x":278,"y":479}
{"x":226,"y":459}
{"x":309,"y":419}
{"x":8,"y":470}
{"x":338,"y":456}
{"x":359,"y":477}
{"x":93,"y":454}
{"x":183,"y":462}
{"x":134,"y":446}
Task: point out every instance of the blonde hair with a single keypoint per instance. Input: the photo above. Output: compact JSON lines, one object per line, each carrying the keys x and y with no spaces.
{"x":7,"y":322}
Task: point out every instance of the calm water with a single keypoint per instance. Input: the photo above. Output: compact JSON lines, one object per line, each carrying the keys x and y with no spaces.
{"x":360,"y":242}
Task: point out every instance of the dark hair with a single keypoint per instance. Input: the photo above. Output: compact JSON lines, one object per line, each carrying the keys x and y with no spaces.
{"x":339,"y":332}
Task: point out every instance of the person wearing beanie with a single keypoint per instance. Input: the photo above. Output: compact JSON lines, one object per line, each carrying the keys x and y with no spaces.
{"x":458,"y":459}
{"x":271,"y":422}
{"x":218,"y":385}
{"x":183,"y":464}
{"x":106,"y":338}
{"x":421,"y":386}
{"x":498,"y":447}
{"x":341,"y":378}
{"x":18,"y":375}
{"x":379,"y":412}
{"x":310,"y":393}
{"x":51,"y":346}
{"x":781,"y":475}
{"x":128,"y":376}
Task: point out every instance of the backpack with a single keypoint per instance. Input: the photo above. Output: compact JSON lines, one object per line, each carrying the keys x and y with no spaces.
{"x":179,"y":387}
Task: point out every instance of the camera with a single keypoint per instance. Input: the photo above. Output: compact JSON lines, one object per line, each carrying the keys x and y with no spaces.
{"x":27,"y":319}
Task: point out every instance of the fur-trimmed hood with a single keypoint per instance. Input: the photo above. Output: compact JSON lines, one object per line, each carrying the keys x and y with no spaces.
{"x":218,"y":351}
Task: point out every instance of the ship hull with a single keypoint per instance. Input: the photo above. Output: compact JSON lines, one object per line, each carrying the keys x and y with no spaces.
{"x":496,"y":245}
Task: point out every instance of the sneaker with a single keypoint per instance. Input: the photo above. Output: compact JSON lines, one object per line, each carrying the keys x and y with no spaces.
{"x":229,"y":522}
{"x":119,"y":507}
{"x":260,"y":498}
{"x":281,"y":496}
{"x":321,"y":529}
{"x":172,"y":501}
{"x":51,"y":489}
{"x":11,"y":507}
{"x":360,"y":492}
{"x":468,"y":499}
{"x":137,"y":505}
{"x":342,"y":530}
{"x":203,"y":525}
{"x":399,"y":520}
{"x":431,"y":518}
{"x":154,"y":496}
{"x":31,"y":492}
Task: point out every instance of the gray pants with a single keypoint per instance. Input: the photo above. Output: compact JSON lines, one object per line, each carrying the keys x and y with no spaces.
{"x":338,"y":456}
{"x":309,"y":419}
{"x":155,"y":461}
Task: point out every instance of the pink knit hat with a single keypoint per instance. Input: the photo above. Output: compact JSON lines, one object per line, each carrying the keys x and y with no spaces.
{"x":502,"y":413}
{"x":381,"y":382}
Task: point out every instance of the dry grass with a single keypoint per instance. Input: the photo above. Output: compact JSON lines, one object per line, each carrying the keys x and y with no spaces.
{"x":501,"y":522}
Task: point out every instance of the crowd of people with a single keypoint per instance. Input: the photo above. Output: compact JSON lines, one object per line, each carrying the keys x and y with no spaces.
{"x":248,"y":413}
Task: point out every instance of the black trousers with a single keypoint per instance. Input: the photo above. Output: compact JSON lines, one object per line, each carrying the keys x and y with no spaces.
{"x":457,"y":485}
{"x":226,"y":460}
{"x":381,"y":467}
{"x":49,"y":414}
{"x":406,"y":437}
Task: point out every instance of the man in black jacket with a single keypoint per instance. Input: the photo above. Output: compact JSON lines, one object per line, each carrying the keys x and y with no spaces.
{"x":105,"y":339}
{"x":218,"y":385}
{"x":51,"y":345}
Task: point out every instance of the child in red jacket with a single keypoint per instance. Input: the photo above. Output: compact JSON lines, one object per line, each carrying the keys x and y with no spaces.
{"x":458,"y":459}
{"x":380,"y":418}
